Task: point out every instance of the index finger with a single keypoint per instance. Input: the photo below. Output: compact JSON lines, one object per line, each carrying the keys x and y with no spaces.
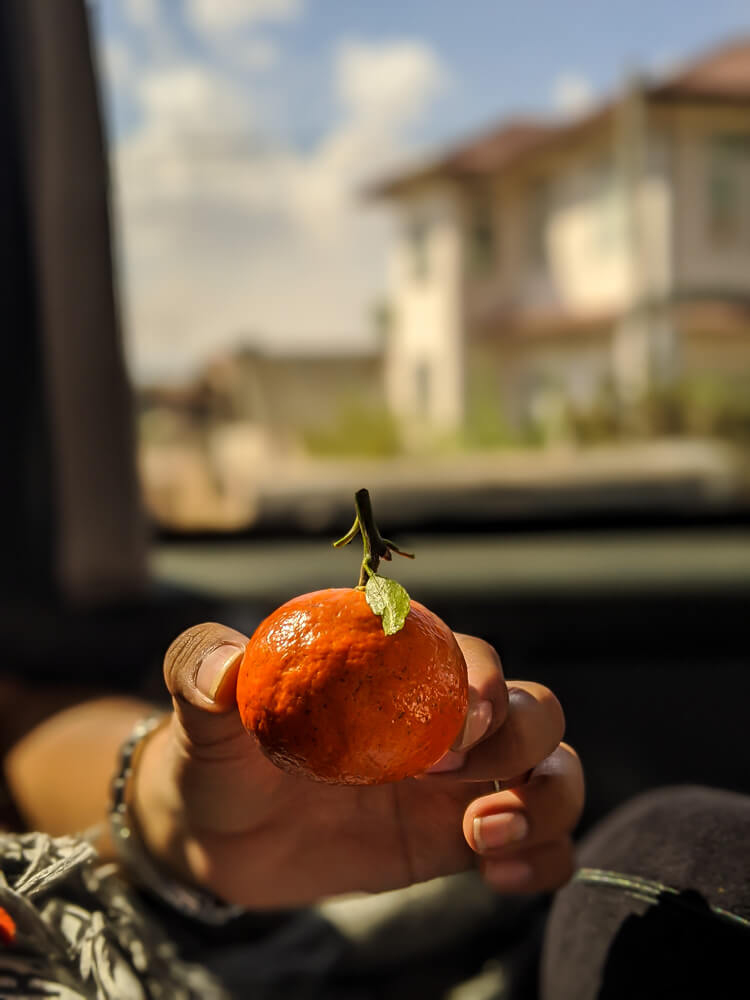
{"x":488,"y":694}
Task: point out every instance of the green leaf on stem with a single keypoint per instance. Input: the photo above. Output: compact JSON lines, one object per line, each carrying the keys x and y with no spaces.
{"x":389,"y":600}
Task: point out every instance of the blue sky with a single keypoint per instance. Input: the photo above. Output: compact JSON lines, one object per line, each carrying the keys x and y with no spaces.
{"x":241,"y":129}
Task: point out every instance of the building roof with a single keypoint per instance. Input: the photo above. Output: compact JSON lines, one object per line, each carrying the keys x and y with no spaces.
{"x":708,"y":313}
{"x":713,"y":314}
{"x":721,"y":75}
{"x":484,"y":154}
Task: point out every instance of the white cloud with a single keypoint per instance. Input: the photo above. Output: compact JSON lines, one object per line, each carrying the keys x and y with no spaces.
{"x":226,"y":232}
{"x":383,"y":88}
{"x":227,"y":15}
{"x":162,"y":45}
{"x":229,"y":28}
{"x":572,"y":93}
{"x":393,"y":80}
{"x":116,"y":64}
{"x":256,"y":53}
{"x":143,"y":13}
{"x":188,"y":98}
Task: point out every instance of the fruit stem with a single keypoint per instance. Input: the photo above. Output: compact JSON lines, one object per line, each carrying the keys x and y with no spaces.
{"x":375,"y":546}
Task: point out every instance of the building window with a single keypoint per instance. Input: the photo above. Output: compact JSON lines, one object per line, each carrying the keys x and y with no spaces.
{"x":538,"y":223}
{"x":609,"y":221}
{"x":728,"y":166}
{"x":482,"y":235}
{"x":419,"y":249}
{"x":422,"y":389}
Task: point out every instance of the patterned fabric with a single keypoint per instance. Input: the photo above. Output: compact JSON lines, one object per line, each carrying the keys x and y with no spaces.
{"x":81,"y":933}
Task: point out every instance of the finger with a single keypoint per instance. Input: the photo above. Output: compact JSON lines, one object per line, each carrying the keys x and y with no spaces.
{"x":539,"y":869}
{"x":488,"y":701}
{"x":545,"y":808}
{"x":488,"y":695}
{"x":200,"y":671}
{"x":533,"y":727}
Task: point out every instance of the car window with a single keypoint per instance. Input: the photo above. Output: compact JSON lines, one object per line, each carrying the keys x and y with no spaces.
{"x":350,"y":256}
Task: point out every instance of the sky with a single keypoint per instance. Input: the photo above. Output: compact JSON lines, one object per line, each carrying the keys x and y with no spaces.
{"x":244,"y":132}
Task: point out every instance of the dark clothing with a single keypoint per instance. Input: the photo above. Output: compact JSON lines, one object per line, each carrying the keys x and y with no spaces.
{"x":661,"y":907}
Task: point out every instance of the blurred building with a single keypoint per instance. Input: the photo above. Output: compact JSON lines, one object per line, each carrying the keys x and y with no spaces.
{"x":546,"y":261}
{"x":291,"y":392}
{"x":209,"y":447}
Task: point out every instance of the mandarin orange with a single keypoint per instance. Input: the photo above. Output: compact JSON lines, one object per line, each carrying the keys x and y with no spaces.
{"x":329,"y":695}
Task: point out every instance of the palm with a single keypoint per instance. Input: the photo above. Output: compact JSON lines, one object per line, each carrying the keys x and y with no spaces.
{"x":275,"y":839}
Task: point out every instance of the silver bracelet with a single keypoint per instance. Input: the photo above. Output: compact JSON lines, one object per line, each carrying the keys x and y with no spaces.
{"x":196,"y":904}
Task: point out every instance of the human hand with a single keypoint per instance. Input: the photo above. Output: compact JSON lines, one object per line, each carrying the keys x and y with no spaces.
{"x":216,"y":812}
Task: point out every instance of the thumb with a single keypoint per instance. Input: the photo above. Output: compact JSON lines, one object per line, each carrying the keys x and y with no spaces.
{"x":200,"y":671}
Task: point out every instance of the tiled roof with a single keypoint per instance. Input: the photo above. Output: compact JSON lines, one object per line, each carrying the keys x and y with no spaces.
{"x":720,"y":75}
{"x":723,"y":74}
{"x":486,"y":153}
{"x":494,"y":149}
{"x":698,"y":312}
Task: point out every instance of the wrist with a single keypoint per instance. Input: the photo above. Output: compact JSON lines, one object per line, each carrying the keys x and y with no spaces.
{"x":155,"y":813}
{"x":148,"y":827}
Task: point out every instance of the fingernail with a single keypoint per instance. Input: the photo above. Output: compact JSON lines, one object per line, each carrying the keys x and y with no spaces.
{"x":450,"y":761}
{"x":214,"y":669}
{"x":508,"y":876}
{"x":499,"y":830}
{"x":477,"y":723}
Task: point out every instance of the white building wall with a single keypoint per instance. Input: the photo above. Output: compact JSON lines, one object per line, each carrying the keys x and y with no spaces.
{"x":645,"y":345}
{"x":424,"y":363}
{"x":583,"y":268}
{"x":653,"y":206}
